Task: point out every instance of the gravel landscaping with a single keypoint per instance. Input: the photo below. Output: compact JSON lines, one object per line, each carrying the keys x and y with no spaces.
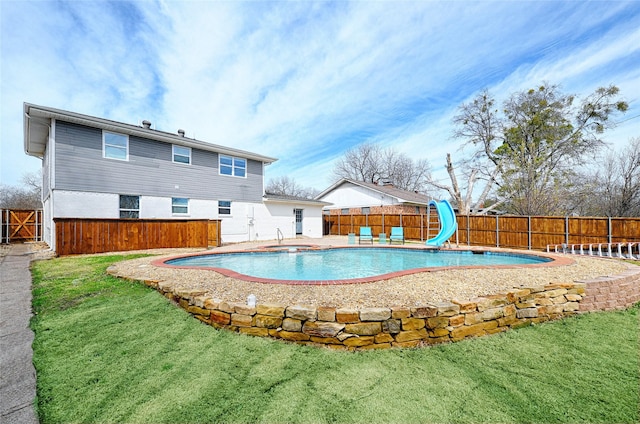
{"x":410,"y":290}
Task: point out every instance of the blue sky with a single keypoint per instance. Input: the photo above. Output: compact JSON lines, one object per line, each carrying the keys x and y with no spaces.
{"x":306,"y":81}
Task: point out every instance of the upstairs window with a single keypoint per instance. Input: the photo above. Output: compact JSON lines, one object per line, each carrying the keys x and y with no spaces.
{"x":224,"y":207}
{"x":129,"y":206}
{"x":179,"y":206}
{"x":235,"y":167}
{"x":115,"y":146}
{"x":181,"y":154}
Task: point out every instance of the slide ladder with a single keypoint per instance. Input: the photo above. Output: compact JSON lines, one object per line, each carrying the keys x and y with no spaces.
{"x":448,"y":223}
{"x":433,"y":223}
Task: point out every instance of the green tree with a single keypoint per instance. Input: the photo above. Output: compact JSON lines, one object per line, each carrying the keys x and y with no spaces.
{"x":538,"y":142}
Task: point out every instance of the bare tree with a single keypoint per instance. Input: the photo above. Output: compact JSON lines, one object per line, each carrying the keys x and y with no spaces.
{"x":462,"y":195}
{"x":287,"y":186}
{"x":478,"y":123}
{"x":615,"y":190}
{"x":361,"y":163}
{"x":370,"y":163}
{"x":26,"y":196}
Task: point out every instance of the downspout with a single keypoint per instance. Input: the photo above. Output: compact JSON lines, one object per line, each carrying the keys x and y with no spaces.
{"x":51,"y":151}
{"x":49,"y":194}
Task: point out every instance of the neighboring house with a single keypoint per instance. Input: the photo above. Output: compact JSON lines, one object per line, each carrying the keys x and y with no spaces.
{"x":357,"y":197}
{"x":98,"y":168}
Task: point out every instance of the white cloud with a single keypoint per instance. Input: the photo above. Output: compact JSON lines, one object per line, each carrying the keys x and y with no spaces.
{"x":302,"y":81}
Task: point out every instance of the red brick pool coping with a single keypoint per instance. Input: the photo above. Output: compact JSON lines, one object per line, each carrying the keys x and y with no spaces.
{"x":555,"y":260}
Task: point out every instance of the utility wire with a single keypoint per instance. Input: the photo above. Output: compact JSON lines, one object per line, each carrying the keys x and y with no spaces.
{"x":628,"y":119}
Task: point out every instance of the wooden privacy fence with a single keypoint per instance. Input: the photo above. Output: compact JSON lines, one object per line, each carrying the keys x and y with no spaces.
{"x":81,"y":236}
{"x":20,"y":225}
{"x":521,"y":232}
{"x":416,"y":227}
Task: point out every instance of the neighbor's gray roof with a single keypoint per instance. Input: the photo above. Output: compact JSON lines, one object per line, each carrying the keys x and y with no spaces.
{"x":37,"y":120}
{"x":404,"y":196}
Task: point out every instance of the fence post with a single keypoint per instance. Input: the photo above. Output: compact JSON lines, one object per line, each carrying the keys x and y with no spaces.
{"x":566,"y":229}
{"x":609,"y":230}
{"x":37,"y":233}
{"x":497,"y":232}
{"x":5,"y":223}
{"x":529,"y":231}
{"x":468,"y":231}
{"x":383,"y":223}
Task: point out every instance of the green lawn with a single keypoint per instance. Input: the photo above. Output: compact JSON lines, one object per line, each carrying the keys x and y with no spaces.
{"x":107,"y":350}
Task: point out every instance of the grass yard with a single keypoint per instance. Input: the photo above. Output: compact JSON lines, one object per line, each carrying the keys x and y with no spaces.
{"x":107,"y":350}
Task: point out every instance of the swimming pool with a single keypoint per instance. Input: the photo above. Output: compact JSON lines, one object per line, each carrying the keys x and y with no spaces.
{"x":344,"y":264}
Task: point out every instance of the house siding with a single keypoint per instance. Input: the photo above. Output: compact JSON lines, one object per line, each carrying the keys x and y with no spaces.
{"x":149,"y":171}
{"x":353,"y":196}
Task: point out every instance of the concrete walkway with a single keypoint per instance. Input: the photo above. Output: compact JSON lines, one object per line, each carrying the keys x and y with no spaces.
{"x":17,"y":374}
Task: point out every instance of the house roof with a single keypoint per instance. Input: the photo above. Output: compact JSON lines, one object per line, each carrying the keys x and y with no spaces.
{"x":403,"y":196}
{"x":37,"y":121}
{"x":283,"y":198}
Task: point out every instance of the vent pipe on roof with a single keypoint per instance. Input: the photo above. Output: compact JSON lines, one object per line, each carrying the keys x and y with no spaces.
{"x":181,"y":133}
{"x":146,"y":124}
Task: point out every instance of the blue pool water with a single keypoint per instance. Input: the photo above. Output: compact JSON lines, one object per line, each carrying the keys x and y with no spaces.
{"x":346,"y":263}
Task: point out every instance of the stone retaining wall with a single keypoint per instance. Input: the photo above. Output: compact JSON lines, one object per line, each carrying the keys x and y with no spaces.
{"x":380,"y":328}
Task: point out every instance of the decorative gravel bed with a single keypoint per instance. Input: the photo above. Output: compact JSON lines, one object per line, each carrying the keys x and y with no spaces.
{"x":410,"y":290}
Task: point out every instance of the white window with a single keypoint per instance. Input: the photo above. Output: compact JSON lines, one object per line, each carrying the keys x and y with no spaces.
{"x":181,"y":154}
{"x":129,"y":206}
{"x":224,"y":207}
{"x":179,"y":206}
{"x":236,"y":167}
{"x":115,"y":146}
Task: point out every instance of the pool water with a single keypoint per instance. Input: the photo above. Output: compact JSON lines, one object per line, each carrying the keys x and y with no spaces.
{"x":347,"y":263}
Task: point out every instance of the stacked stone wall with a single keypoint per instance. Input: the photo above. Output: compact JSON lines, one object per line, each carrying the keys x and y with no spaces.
{"x":402,"y":326}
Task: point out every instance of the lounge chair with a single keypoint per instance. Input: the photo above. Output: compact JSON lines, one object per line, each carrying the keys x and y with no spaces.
{"x":365,"y":234}
{"x":397,"y":234}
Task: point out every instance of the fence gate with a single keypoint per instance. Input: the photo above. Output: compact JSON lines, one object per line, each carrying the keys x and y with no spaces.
{"x":19,"y":226}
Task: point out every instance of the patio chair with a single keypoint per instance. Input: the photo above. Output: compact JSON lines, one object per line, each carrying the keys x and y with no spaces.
{"x":397,"y":234}
{"x":365,"y":234}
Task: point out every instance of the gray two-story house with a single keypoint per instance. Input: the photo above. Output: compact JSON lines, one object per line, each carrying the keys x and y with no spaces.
{"x":98,"y":168}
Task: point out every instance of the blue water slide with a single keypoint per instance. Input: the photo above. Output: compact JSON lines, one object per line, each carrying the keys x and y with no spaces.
{"x":448,"y":223}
